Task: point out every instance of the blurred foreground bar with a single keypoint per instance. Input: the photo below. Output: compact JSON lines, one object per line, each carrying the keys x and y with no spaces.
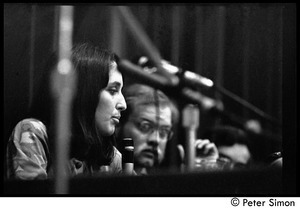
{"x":250,"y":182}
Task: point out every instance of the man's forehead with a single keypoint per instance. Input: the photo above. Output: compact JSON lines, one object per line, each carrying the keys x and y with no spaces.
{"x":151,"y":112}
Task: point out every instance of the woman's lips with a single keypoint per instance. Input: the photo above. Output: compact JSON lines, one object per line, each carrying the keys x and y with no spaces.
{"x":116,"y":120}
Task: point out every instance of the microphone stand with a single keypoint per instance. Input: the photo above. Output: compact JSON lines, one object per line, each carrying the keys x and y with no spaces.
{"x":247,"y":105}
{"x":63,"y":85}
{"x":190,"y":122}
{"x":127,"y":158}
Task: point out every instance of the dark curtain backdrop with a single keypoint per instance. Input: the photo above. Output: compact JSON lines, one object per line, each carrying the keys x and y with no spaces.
{"x":239,"y":46}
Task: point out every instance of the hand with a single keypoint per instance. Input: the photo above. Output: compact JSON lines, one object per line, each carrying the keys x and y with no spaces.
{"x":206,"y":150}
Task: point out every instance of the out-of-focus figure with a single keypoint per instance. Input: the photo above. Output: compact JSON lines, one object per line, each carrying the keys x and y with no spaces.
{"x":232,"y":144}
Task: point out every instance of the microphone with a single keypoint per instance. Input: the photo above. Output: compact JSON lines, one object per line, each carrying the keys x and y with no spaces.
{"x":205,"y":102}
{"x":153,"y":80}
{"x":190,"y":121}
{"x":188,"y":77}
{"x":127,"y":158}
{"x":144,"y":72}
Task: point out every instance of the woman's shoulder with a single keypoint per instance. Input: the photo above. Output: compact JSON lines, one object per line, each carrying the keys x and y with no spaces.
{"x":31,"y":125}
{"x":116,"y":164}
{"x":27,"y":150}
{"x":117,"y":153}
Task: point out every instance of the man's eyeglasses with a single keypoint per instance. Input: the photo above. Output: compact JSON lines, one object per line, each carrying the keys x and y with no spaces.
{"x":147,"y":127}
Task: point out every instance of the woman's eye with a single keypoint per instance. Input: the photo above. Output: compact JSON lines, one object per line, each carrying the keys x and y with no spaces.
{"x":112,"y":91}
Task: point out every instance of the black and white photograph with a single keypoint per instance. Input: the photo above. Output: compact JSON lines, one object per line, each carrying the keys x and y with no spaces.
{"x":150,"y":100}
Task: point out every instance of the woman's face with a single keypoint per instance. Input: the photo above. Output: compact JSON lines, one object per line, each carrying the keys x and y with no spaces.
{"x":110,"y":104}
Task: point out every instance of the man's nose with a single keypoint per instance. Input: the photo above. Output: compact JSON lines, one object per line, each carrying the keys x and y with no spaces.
{"x":154,"y":138}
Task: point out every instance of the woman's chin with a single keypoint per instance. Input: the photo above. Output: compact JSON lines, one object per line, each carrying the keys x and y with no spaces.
{"x":109,"y":131}
{"x":106,"y":127}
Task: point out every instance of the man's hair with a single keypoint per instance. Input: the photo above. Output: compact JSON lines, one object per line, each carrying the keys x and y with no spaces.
{"x":141,"y":95}
{"x":226,"y":135}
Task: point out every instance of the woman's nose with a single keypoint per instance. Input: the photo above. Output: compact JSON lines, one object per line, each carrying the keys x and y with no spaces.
{"x":121,"y":105}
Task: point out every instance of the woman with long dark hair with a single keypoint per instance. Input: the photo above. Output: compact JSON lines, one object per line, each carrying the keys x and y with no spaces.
{"x":97,"y":107}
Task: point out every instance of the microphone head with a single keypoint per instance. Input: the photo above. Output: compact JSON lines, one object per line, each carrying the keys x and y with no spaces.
{"x":165,"y":69}
{"x":128,"y":149}
{"x":146,"y":64}
{"x":127,"y":156}
{"x":190,"y":116}
{"x":198,"y":79}
{"x":169,"y":68}
{"x":127,"y":142}
{"x":206,"y":103}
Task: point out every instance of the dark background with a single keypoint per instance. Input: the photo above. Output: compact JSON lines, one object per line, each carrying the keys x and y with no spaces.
{"x":239,"y":46}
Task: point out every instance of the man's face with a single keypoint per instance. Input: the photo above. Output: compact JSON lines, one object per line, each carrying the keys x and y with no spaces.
{"x":149,"y":127}
{"x":238,"y":153}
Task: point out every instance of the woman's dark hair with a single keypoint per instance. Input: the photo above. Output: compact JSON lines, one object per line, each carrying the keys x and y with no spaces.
{"x":92,"y":65}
